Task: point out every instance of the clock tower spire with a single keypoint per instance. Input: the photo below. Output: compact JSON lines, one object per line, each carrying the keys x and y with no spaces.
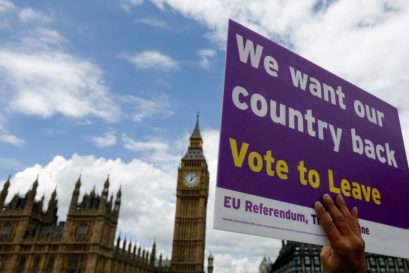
{"x":192,"y":191}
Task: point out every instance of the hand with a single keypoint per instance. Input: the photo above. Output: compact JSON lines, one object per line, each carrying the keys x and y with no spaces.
{"x":345,"y":254}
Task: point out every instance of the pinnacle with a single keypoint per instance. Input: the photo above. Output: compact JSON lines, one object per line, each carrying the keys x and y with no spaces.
{"x":196,"y":131}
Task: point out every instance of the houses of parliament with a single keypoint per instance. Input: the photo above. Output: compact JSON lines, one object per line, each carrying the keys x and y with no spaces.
{"x":32,"y":240}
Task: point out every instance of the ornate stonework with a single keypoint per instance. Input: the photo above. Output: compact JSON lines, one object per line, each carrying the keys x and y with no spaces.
{"x":31,"y":240}
{"x":190,"y":220}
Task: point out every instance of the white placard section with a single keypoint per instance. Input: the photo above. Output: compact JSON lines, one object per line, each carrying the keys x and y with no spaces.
{"x":250,"y":214}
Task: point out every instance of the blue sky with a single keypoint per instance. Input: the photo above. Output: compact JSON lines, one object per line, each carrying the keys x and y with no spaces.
{"x":113,"y":87}
{"x":107,"y":36}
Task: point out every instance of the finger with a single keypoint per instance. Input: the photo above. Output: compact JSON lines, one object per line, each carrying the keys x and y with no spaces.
{"x":339,"y":200}
{"x":327,"y":224}
{"x":354,"y":214}
{"x":340,"y":220}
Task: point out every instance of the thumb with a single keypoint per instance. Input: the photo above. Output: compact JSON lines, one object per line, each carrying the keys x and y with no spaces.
{"x":325,"y":256}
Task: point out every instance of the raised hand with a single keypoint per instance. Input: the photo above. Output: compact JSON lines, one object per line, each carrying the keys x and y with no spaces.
{"x":345,"y":254}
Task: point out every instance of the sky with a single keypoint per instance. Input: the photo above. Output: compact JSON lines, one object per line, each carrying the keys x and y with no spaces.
{"x":98,"y":88}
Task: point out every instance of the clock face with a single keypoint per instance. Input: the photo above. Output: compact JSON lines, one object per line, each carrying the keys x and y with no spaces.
{"x":191,"y":179}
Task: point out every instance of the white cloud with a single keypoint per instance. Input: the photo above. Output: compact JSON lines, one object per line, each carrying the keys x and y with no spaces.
{"x":43,"y":80}
{"x":152,"y":150}
{"x":106,"y":140}
{"x":7,"y":137}
{"x":11,"y":139}
{"x":227,"y":263}
{"x":154,"y":22}
{"x":151,"y":59}
{"x":6,"y":6}
{"x":143,"y":146}
{"x":206,"y":57}
{"x":141,"y":108}
{"x":148,"y":207}
{"x":44,"y":38}
{"x":29,"y":15}
{"x":127,"y":5}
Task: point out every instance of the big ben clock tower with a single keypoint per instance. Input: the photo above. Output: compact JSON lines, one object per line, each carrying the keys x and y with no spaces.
{"x":190,"y":220}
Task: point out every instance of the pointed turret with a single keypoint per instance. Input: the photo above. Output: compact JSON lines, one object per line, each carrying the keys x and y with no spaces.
{"x":104,"y":205}
{"x":160,"y":263}
{"x":34,"y":188}
{"x":106,"y":189}
{"x":54,"y":194}
{"x":75,"y":194}
{"x":195,"y":151}
{"x":118,"y":242}
{"x":31,"y":195}
{"x":129,"y":250}
{"x":53,"y":206}
{"x":42,"y":201}
{"x":153,"y":254}
{"x":210,"y":264}
{"x":109,"y":205}
{"x":78,"y":184}
{"x":196,"y":138}
{"x":35,"y":184}
{"x":147,"y":257}
{"x":124,"y":244}
{"x":92,"y":201}
{"x":196,"y":131}
{"x":4,"y":192}
{"x":139,"y":252}
{"x":118,"y":200}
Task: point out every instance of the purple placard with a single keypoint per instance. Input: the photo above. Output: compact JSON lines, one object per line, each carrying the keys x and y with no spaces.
{"x":339,"y":132}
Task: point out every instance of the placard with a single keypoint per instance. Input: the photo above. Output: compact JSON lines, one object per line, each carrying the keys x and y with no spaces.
{"x":292,"y":131}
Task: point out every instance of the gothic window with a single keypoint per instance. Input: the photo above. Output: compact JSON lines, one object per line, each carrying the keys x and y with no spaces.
{"x":381,"y":261}
{"x":74,"y":264}
{"x":36,"y":265}
{"x":21,"y":264}
{"x":50,"y":265}
{"x":2,"y":262}
{"x":82,"y":231}
{"x":6,"y":231}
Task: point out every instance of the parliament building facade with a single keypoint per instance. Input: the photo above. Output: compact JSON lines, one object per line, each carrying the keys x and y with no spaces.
{"x":32,"y":241}
{"x":295,"y":257}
